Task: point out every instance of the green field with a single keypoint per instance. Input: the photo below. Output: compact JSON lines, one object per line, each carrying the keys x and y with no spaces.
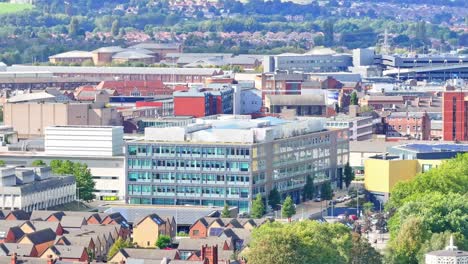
{"x":6,"y":8}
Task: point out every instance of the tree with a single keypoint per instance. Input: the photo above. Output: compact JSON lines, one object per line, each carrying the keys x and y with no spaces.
{"x":38,"y":163}
{"x":163,"y":241}
{"x":407,"y":243}
{"x":328,"y":31}
{"x":274,"y":198}
{"x":117,"y":246}
{"x":226,"y":213}
{"x":84,"y":180}
{"x":258,"y":208}
{"x":309,"y":189}
{"x":73,"y":27}
{"x":326,"y":192}
{"x":2,"y":163}
{"x":115,"y":28}
{"x":288,"y":209}
{"x":363,"y":252}
{"x":368,"y":207}
{"x":304,"y":242}
{"x":354,"y":98}
{"x":348,"y":175}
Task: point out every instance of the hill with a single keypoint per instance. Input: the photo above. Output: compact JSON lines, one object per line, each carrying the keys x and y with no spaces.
{"x":7,"y":8}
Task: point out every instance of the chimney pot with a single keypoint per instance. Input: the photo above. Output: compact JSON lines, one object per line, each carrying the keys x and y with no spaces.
{"x":13,"y":258}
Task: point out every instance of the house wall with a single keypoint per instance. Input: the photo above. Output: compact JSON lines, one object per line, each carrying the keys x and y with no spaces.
{"x":146,"y":233}
{"x":201,"y":228}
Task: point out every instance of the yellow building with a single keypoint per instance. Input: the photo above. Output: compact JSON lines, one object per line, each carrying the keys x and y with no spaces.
{"x":147,"y":231}
{"x":382,"y":173}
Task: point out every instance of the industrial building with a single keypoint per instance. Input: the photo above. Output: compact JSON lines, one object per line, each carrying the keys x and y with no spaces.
{"x":230,"y":159}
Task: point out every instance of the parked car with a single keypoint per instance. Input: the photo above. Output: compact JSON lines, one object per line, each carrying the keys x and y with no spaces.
{"x":317,"y":199}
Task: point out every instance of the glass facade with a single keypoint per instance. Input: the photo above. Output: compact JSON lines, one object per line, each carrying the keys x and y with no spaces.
{"x":213,"y":174}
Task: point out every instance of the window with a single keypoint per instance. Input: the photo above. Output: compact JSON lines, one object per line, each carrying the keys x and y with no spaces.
{"x":426,"y":167}
{"x":196,"y":232}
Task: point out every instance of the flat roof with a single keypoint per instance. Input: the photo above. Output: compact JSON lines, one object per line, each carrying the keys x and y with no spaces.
{"x":430,"y":148}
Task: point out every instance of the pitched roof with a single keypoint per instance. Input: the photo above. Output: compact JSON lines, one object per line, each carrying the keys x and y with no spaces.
{"x":192,"y":244}
{"x":17,"y":231}
{"x":77,"y":240}
{"x":23,"y":250}
{"x":140,"y":253}
{"x":86,"y":215}
{"x":39,"y":225}
{"x":41,"y":236}
{"x":154,"y":217}
{"x":44,"y":215}
{"x":68,"y":252}
{"x":72,"y":221}
{"x":73,"y":54}
{"x":19,"y":214}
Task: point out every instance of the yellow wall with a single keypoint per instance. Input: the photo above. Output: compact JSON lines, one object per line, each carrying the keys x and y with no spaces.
{"x":382,"y":175}
{"x":146,"y":233}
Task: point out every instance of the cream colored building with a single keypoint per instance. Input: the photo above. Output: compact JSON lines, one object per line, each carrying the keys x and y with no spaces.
{"x":31,"y":119}
{"x":147,"y":231}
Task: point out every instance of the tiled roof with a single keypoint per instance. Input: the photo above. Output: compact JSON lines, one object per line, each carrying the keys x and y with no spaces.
{"x":72,"y":221}
{"x":68,"y":252}
{"x":23,"y":250}
{"x":195,"y":244}
{"x":139,"y":253}
{"x":41,"y":236}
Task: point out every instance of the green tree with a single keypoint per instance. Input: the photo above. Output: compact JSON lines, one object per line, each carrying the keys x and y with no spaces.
{"x":368,"y":207}
{"x":117,"y":246}
{"x":226,"y":213}
{"x":328,"y":31}
{"x":304,"y":242}
{"x":38,"y":163}
{"x":274,"y":198}
{"x":288,"y":209}
{"x":115,"y":29}
{"x":404,"y":248}
{"x":354,"y":98}
{"x":84,"y":180}
{"x":258,"y":208}
{"x":326,"y":192}
{"x":309,"y":189}
{"x":2,"y":163}
{"x":348,"y":175}
{"x":73,"y":27}
{"x":163,"y":241}
{"x":363,"y":252}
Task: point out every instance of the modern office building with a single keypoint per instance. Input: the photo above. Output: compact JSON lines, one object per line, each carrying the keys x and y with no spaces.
{"x":455,"y":116}
{"x":231,"y":159}
{"x":403,"y":163}
{"x":34,"y":188}
{"x":360,"y":127}
{"x":297,"y":105}
{"x":319,"y":60}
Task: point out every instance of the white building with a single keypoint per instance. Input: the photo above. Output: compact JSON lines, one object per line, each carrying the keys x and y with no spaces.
{"x":34,"y":188}
{"x":104,"y":141}
{"x":100,"y":148}
{"x":360,"y":127}
{"x":451,"y":255}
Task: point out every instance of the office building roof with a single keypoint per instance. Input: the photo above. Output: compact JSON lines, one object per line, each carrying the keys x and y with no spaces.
{"x":130,"y":54}
{"x":309,"y":99}
{"x":430,"y":148}
{"x":113,"y":70}
{"x":111,"y":49}
{"x":73,"y":54}
{"x":183,"y":215}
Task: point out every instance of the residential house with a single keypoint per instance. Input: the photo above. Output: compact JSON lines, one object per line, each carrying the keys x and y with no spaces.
{"x":189,"y":246}
{"x":138,"y":253}
{"x":41,"y":240}
{"x":17,"y":215}
{"x":22,"y":250}
{"x":147,"y":231}
{"x":46,"y":215}
{"x":67,"y":253}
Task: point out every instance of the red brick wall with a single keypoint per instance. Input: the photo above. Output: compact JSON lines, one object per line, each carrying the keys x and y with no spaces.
{"x":189,"y":106}
{"x":460,"y":116}
{"x":148,"y":104}
{"x":202,"y":230}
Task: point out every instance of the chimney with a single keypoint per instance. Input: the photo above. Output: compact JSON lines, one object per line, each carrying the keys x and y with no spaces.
{"x":210,"y":253}
{"x":49,"y":259}
{"x":13,"y":258}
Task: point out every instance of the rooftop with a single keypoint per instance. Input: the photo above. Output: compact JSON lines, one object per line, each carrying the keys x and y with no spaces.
{"x":73,"y":54}
{"x":430,"y":148}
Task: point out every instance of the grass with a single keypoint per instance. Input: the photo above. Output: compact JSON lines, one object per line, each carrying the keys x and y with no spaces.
{"x":7,"y":8}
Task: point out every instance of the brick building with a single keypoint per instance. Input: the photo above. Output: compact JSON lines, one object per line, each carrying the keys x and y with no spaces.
{"x":408,"y":124}
{"x":203,"y":102}
{"x":454,"y":107}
